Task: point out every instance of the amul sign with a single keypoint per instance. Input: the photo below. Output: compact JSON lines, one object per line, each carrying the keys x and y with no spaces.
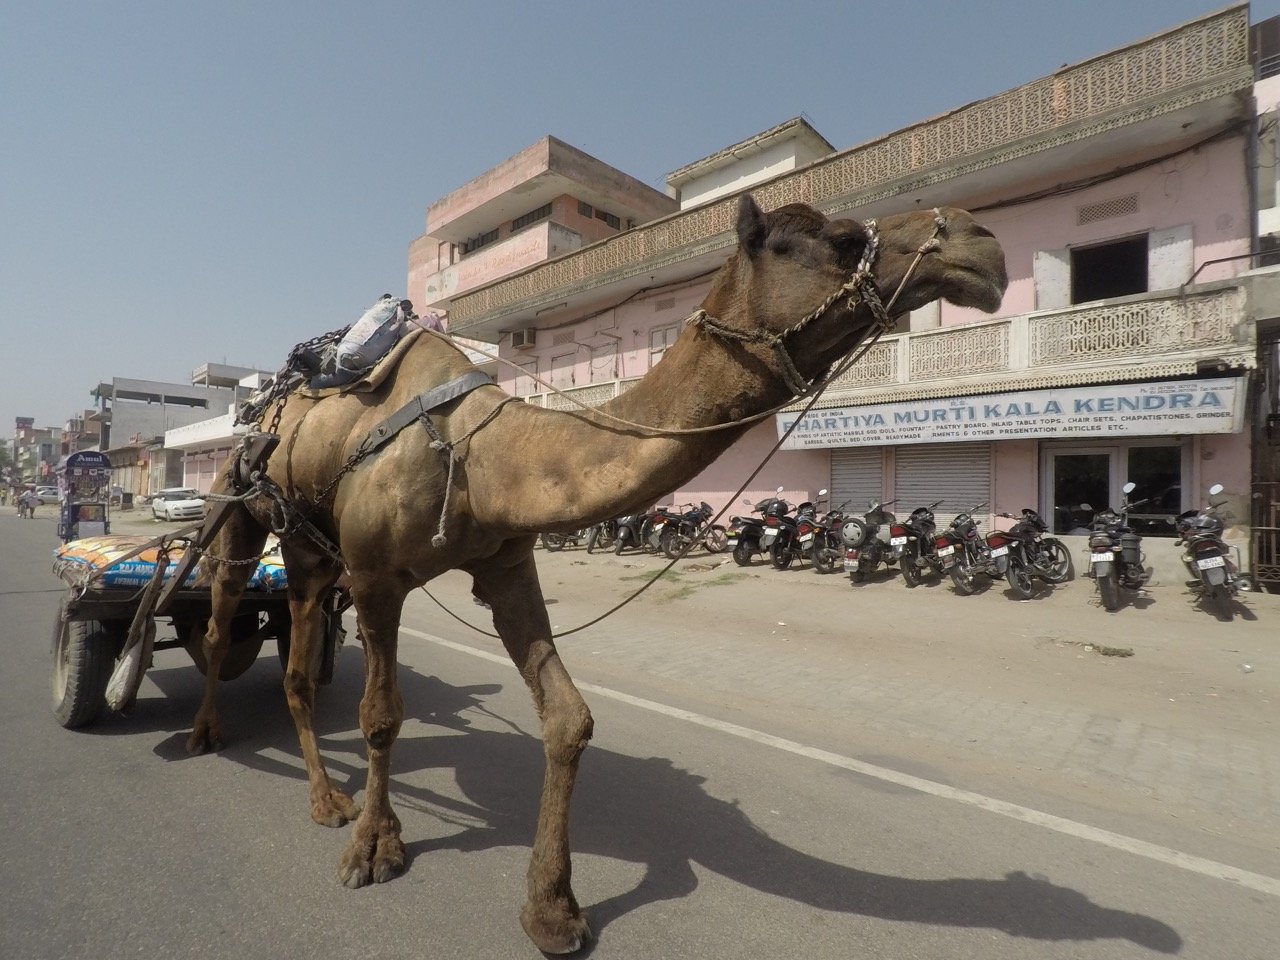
{"x":1124,"y":409}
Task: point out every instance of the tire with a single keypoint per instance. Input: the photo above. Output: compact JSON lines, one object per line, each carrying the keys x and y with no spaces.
{"x":826,"y":560}
{"x":780,"y":555}
{"x":910,"y":572}
{"x":602,"y":537}
{"x":716,"y":540}
{"x":743,"y":552}
{"x":592,"y":538}
{"x":552,"y":542}
{"x":962,"y":577}
{"x":1109,"y":589}
{"x":620,"y":544}
{"x":1019,"y":578}
{"x":84,"y":656}
{"x":671,"y":543}
{"x":1222,"y":602}
{"x":1060,"y":568}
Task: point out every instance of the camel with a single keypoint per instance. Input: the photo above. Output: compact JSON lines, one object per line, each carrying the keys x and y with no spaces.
{"x":520,"y":470}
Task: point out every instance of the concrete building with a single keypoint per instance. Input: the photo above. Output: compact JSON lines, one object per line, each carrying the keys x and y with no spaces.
{"x":35,"y":450}
{"x":1134,"y":194}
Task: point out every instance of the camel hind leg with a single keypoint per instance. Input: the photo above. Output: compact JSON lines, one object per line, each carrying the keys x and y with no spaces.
{"x":509,"y":584}
{"x":239,"y":538}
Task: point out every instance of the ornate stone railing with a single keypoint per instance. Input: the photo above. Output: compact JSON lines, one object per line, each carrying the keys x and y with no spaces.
{"x":1162,"y":335}
{"x":1202,"y":60}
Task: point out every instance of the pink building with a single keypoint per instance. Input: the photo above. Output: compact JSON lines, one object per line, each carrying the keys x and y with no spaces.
{"x":1135,"y":196}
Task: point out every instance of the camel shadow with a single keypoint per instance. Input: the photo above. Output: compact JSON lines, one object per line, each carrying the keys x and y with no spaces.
{"x":642,"y":810}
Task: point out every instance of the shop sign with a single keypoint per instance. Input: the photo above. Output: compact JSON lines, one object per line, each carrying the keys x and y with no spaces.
{"x":1121,"y":409}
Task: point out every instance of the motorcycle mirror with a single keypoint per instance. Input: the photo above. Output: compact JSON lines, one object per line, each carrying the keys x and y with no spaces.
{"x":1129,"y":487}
{"x":1215,"y":490}
{"x":779,"y":490}
{"x":1085,"y":506}
{"x":822,"y":492}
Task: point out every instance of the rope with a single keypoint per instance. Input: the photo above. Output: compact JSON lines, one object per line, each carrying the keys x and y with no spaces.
{"x":869,"y":295}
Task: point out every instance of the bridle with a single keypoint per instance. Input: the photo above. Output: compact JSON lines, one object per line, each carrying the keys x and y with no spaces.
{"x":861,"y":287}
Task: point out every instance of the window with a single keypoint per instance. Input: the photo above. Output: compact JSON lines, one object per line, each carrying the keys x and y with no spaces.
{"x":660,"y":338}
{"x":533,"y":216}
{"x":1081,"y":479}
{"x":1109,"y":270}
{"x":525,"y":385}
{"x":610,"y":219}
{"x":584,"y":209}
{"x":477,"y":242}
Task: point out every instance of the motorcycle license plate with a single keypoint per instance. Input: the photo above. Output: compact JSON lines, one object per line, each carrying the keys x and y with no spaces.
{"x":767,"y":539}
{"x":1208,"y":562}
{"x":807,"y":538}
{"x":1101,"y":557}
{"x":946,"y":551}
{"x":897,"y":541}
{"x":1000,"y":552}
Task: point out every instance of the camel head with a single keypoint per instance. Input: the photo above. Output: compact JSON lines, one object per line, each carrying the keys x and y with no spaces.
{"x":791,"y":260}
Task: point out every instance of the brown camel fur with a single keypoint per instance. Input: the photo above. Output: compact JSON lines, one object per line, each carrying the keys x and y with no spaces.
{"x":530,"y":470}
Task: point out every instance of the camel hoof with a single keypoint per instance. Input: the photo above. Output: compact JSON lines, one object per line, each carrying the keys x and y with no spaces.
{"x":356,"y":869}
{"x":334,"y":809}
{"x":204,"y":740}
{"x":555,"y":931}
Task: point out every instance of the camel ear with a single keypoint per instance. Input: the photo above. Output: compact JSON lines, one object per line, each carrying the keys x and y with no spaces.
{"x":751,"y":226}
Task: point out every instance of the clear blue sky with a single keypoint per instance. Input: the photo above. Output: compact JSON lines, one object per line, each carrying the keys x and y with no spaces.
{"x":192,"y":182}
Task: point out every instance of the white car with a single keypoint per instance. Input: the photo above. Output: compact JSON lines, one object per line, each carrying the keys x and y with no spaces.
{"x":177,"y":503}
{"x":47,"y":495}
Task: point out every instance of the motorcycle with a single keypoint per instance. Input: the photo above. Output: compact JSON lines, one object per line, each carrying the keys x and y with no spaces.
{"x":970,"y":554}
{"x":1115,"y":552}
{"x":558,"y":541}
{"x":821,"y":536}
{"x":633,"y":531}
{"x":1033,"y":556}
{"x":744,"y":533}
{"x":865,"y":546}
{"x":916,"y":537}
{"x":795,"y":535}
{"x":682,"y":531}
{"x":776,"y":524}
{"x":1215,"y":576}
{"x":602,"y":536}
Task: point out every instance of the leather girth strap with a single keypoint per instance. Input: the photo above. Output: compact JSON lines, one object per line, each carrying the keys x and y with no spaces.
{"x":418,"y":408}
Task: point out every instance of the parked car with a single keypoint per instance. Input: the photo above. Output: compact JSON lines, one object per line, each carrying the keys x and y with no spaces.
{"x":177,"y":503}
{"x":47,"y":495}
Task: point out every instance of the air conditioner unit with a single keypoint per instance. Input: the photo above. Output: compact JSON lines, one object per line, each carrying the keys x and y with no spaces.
{"x":523,"y":339}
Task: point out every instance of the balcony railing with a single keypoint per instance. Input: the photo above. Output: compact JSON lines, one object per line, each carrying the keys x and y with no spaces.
{"x":1150,"y":336}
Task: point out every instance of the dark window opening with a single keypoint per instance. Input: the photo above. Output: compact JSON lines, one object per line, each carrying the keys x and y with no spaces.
{"x":533,"y":216}
{"x":1109,"y":270}
{"x":584,"y":209}
{"x":480,"y":241}
{"x":609,"y":218}
{"x":1268,"y":250}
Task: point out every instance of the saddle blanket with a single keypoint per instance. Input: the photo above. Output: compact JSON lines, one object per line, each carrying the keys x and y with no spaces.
{"x":94,"y":553}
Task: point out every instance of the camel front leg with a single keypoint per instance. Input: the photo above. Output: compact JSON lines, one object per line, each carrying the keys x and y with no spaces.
{"x":239,"y":539}
{"x":551,"y":915}
{"x":376,"y":852}
{"x":309,"y":584}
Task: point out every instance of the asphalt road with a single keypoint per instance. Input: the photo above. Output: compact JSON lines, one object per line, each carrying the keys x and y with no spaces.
{"x":784,"y":765}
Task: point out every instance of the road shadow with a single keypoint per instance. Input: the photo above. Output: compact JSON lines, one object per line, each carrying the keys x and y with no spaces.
{"x":642,"y":810}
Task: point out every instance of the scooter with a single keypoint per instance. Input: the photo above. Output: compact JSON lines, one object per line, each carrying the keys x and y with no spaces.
{"x":1215,"y":576}
{"x":821,"y":537}
{"x":1115,"y":552}
{"x":865,"y":544}
{"x":744,"y":533}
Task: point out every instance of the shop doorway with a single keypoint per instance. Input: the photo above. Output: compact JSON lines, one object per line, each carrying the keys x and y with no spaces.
{"x":1082,"y":479}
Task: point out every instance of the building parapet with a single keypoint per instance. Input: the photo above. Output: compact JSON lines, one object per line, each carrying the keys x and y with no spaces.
{"x":1133,"y":338}
{"x":1202,"y":60}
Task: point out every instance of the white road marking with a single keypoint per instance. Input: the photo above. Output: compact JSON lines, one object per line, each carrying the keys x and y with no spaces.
{"x":1117,"y":841}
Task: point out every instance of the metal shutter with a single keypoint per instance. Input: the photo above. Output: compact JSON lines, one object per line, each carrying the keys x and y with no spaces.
{"x":857,"y":475}
{"x":958,"y":474}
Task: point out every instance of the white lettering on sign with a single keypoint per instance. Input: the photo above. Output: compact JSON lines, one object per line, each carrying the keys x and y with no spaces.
{"x":1130,"y":409}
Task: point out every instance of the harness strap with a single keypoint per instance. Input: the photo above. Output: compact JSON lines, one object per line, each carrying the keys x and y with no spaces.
{"x":418,"y":408}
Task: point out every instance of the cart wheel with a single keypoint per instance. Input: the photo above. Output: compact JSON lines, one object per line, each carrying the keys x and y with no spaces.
{"x":245,"y":647}
{"x":84,"y":655}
